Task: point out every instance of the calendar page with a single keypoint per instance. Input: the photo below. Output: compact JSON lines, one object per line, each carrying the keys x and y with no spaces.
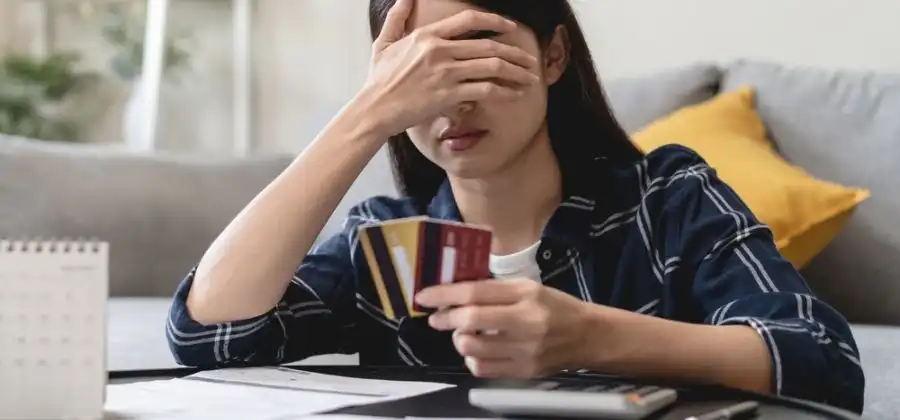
{"x":53,"y":329}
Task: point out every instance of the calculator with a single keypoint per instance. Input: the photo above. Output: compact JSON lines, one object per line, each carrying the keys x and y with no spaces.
{"x":578,"y":400}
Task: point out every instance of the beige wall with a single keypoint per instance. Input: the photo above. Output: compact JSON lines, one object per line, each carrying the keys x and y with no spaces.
{"x":311,"y":56}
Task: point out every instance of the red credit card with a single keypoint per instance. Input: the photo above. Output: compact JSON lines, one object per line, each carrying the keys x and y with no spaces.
{"x":408,"y":255}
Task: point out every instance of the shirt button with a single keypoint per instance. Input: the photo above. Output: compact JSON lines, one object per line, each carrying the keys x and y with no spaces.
{"x":547,"y":254}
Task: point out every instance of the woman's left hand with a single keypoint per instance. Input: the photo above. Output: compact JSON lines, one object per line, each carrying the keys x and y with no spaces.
{"x":510,"y":328}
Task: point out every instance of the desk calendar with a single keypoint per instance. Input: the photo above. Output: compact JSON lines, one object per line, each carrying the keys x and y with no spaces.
{"x":53,"y":329}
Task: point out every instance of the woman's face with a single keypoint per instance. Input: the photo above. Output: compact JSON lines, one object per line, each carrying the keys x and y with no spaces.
{"x":500,"y":131}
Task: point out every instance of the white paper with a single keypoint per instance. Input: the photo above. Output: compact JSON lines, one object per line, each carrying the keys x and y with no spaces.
{"x":257,"y":393}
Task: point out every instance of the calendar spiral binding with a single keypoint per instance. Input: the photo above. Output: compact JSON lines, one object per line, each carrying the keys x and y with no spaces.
{"x":52,"y":246}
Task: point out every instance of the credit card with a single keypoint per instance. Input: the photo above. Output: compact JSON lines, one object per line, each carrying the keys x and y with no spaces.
{"x":408,"y":255}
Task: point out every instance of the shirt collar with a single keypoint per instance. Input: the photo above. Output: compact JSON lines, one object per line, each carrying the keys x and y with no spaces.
{"x":443,"y":205}
{"x":569,"y":225}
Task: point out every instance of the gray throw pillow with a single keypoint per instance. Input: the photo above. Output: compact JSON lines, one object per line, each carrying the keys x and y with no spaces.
{"x":841,"y":126}
{"x":639,"y":100}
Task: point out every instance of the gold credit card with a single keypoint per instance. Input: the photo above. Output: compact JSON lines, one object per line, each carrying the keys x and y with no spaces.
{"x":408,"y":255}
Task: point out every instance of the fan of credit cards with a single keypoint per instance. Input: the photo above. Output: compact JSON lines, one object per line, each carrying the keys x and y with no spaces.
{"x":408,"y":255}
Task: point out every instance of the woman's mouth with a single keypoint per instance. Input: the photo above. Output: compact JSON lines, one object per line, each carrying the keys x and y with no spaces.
{"x":460,"y":140}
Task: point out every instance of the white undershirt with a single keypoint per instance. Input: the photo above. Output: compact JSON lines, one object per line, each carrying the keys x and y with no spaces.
{"x":519,"y":264}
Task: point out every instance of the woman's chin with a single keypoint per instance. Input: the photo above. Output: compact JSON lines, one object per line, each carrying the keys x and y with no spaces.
{"x":470,"y":167}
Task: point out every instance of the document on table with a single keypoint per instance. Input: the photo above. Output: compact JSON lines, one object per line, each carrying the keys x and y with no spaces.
{"x":259,"y":393}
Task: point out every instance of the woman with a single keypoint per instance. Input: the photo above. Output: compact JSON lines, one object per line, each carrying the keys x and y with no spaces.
{"x":610,"y":260}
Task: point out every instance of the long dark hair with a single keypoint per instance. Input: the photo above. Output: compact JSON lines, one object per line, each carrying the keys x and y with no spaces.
{"x":581,"y":125}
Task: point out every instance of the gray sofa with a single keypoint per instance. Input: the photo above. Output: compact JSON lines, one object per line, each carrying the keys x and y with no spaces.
{"x":160,"y":212}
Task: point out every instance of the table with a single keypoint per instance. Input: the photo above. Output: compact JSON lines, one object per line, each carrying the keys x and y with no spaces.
{"x":453,"y":402}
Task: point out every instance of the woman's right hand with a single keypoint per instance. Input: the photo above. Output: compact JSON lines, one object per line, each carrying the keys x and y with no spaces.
{"x":416,"y":76}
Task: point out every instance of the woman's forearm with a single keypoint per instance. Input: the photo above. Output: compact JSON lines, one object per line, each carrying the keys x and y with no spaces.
{"x":630,"y":344}
{"x":247,"y":269}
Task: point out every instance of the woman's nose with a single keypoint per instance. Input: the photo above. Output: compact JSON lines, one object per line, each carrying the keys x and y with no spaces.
{"x":461,"y":109}
{"x":465,"y":107}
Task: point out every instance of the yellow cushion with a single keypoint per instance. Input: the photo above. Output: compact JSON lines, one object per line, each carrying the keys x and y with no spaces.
{"x":804,"y":213}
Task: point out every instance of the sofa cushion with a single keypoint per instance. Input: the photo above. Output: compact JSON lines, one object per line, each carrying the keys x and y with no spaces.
{"x":158,"y":212}
{"x":841,"y":126}
{"x":640,"y":100}
{"x":804,"y":213}
{"x":878,"y":346}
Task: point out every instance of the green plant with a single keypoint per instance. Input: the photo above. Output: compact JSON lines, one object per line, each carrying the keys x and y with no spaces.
{"x":123,"y":24}
{"x":30,"y":90}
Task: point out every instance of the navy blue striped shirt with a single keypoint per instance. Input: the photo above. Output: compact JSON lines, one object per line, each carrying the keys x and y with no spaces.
{"x":663,"y":237}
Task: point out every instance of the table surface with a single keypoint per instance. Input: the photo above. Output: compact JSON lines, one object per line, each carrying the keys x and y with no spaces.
{"x":453,"y":402}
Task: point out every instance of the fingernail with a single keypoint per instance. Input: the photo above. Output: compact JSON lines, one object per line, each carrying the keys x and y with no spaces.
{"x":422,"y":298}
